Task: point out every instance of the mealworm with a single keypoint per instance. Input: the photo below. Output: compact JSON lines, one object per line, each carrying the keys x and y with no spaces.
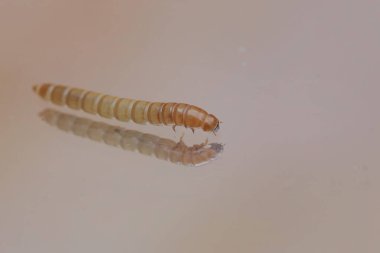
{"x":147,"y":144}
{"x":125,"y":109}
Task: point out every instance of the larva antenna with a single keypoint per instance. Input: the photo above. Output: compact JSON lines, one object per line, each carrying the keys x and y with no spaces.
{"x":216,"y":129}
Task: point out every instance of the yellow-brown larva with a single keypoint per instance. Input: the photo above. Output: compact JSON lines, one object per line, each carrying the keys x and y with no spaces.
{"x":125,"y":109}
{"x":143,"y":143}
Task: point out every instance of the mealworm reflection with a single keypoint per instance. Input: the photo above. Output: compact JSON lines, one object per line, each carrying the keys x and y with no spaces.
{"x":147,"y":144}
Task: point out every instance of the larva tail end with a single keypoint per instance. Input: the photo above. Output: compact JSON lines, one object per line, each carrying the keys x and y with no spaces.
{"x":35,"y":88}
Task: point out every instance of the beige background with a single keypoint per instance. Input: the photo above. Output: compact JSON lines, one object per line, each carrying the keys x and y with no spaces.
{"x":296,"y":84}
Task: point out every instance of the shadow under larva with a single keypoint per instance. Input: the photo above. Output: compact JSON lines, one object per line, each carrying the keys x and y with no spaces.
{"x":143,"y":143}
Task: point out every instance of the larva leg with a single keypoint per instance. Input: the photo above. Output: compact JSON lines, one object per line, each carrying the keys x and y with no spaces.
{"x":181,"y":138}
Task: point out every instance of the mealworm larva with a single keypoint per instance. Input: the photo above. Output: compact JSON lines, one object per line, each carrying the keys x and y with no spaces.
{"x":147,"y":144}
{"x":125,"y":109}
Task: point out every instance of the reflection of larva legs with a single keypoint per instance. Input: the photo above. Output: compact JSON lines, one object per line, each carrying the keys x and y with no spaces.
{"x":147,"y":144}
{"x":124,"y":109}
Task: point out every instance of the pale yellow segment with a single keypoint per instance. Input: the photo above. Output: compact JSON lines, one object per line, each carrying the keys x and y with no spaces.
{"x":138,"y":112}
{"x":90,"y":102}
{"x":106,"y":106}
{"x":74,"y":98}
{"x":123,"y":109}
{"x":58,"y":95}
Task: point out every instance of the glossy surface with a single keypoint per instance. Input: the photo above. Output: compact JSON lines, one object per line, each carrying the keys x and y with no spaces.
{"x":295,"y":83}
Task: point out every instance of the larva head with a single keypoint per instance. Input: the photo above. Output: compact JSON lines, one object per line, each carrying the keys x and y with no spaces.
{"x":211,"y":123}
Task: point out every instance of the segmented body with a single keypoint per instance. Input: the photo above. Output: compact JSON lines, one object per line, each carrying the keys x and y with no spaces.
{"x":146,"y":144}
{"x":125,"y":109}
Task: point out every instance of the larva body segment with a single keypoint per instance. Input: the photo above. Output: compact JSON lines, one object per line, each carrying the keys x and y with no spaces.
{"x":74,"y":98}
{"x":90,"y":102}
{"x":147,"y":144}
{"x":106,"y":106}
{"x":125,"y":109}
{"x":154,"y":113}
{"x":138,"y":112}
{"x":167,"y":113}
{"x":58,"y":95}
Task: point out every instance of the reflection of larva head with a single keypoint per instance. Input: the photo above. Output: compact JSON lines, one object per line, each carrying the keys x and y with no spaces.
{"x":210,"y":123}
{"x":216,"y":147}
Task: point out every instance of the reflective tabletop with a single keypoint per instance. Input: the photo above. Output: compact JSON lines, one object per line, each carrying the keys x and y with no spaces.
{"x":293,"y":168}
